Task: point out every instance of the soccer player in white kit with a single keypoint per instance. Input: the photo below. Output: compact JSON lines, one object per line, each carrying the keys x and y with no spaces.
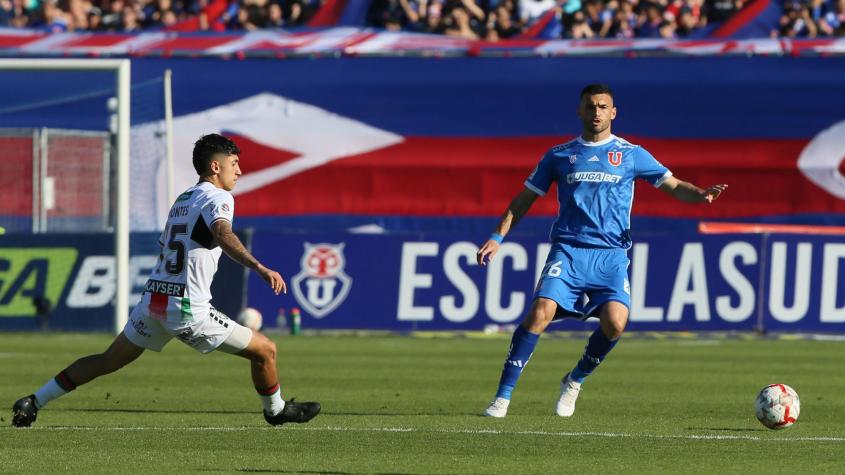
{"x":177,"y":297}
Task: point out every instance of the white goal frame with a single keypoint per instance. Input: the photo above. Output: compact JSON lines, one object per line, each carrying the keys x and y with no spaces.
{"x":121,"y":68}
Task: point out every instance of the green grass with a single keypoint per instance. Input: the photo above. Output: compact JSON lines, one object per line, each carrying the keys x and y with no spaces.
{"x":410,"y":405}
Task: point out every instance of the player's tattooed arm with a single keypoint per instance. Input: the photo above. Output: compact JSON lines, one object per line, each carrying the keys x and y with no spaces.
{"x":518,"y":207}
{"x":689,"y":193}
{"x":234,"y":248}
{"x":229,"y":242}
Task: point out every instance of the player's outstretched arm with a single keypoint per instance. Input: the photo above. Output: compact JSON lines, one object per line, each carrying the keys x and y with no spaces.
{"x":689,"y":193}
{"x":234,"y":248}
{"x":516,"y":210}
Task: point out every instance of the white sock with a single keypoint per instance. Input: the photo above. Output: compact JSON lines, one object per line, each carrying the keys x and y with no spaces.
{"x":48,"y":392}
{"x":273,"y":404}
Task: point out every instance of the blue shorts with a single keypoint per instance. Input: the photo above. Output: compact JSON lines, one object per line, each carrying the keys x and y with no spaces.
{"x":582,"y":279}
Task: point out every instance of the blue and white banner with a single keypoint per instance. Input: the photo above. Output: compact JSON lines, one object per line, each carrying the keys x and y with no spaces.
{"x":678,"y":283}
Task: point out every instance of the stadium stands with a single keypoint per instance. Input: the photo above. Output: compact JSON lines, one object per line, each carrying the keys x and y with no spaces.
{"x":488,"y":20}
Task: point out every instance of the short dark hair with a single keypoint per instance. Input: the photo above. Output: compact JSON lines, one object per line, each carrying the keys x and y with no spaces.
{"x":597,"y":88}
{"x":210,"y":145}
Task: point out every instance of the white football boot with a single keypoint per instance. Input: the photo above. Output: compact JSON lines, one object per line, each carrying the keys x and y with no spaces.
{"x":569,"y":391}
{"x":498,"y":408}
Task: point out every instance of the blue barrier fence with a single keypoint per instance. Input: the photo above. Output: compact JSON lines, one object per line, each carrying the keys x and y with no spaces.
{"x":431,"y":282}
{"x":729,"y":282}
{"x":74,"y":274}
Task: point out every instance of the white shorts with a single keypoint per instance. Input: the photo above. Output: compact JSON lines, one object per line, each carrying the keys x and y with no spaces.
{"x":204,"y":334}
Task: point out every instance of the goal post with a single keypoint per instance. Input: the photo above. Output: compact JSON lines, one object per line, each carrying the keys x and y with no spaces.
{"x":122,"y":71}
{"x":168,"y":128}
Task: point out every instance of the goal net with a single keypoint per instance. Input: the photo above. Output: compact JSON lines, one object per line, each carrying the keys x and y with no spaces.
{"x":79,"y":178}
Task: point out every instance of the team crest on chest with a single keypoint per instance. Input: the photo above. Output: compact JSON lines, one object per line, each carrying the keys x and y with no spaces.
{"x":615,"y":158}
{"x":321,"y":284}
{"x":573,"y":158}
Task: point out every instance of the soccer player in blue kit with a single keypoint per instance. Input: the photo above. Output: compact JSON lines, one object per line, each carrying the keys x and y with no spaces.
{"x":586,"y":273}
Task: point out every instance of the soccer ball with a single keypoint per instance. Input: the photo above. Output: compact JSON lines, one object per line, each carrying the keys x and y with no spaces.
{"x":250,"y":318}
{"x":777,"y":406}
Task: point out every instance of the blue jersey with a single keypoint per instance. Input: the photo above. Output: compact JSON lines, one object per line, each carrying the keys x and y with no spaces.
{"x":595,"y":189}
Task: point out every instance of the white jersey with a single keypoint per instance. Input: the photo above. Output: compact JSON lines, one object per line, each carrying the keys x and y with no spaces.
{"x":179,"y":288}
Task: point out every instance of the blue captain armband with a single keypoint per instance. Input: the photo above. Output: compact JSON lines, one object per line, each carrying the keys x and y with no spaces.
{"x":497,"y":237}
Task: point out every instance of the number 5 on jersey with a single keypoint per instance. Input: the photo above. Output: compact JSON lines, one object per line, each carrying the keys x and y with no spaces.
{"x":175,"y":266}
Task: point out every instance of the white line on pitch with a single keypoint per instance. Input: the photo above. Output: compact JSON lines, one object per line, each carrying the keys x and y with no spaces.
{"x":618,"y":435}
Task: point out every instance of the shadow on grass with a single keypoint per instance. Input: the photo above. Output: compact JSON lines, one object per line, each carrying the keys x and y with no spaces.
{"x":227,"y":411}
{"x":729,"y":429}
{"x":326,"y":472}
{"x":154,"y":411}
{"x":377,"y":414}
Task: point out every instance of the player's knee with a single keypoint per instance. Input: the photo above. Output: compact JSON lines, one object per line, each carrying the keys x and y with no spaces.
{"x":540,"y":315}
{"x":268,"y":351}
{"x":535,"y":319}
{"x":615,"y":325}
{"x":616,"y":329}
{"x":271,"y":350}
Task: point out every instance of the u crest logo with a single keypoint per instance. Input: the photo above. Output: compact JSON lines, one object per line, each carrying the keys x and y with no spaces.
{"x":615,"y":158}
{"x":321,"y":284}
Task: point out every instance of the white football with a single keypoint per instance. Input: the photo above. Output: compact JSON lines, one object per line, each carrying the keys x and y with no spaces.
{"x":777,"y":406}
{"x":250,"y":318}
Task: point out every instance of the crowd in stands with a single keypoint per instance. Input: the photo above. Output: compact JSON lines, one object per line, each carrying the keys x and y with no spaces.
{"x":136,"y":15}
{"x":577,"y":19}
{"x":589,"y":19}
{"x":490,"y":20}
{"x":811,"y":19}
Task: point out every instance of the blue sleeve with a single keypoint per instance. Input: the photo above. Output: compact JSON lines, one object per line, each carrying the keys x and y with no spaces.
{"x":648,"y":168}
{"x":542,"y":177}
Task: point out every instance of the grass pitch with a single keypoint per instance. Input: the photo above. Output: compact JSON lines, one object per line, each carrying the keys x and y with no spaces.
{"x":411,"y":406}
